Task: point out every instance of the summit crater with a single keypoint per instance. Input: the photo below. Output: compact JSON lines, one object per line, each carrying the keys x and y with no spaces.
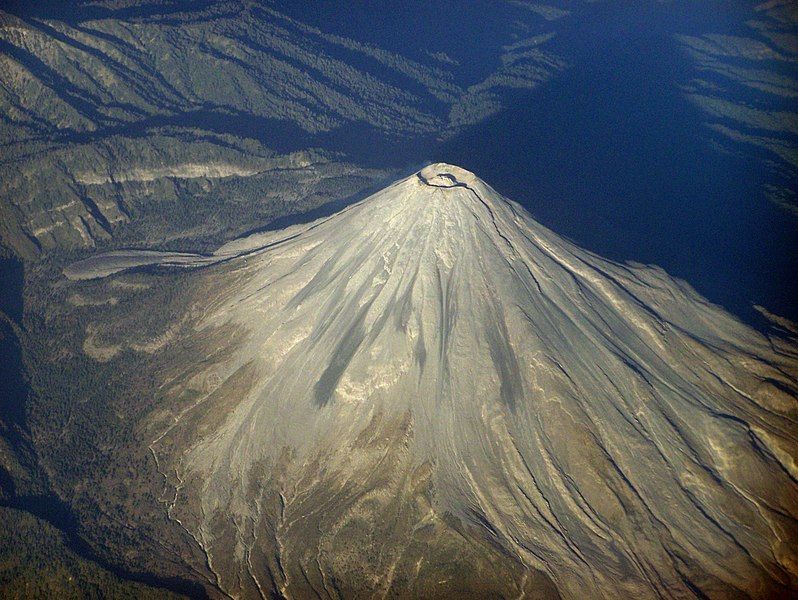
{"x":443,"y":175}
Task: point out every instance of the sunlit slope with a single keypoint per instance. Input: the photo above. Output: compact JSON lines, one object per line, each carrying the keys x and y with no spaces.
{"x":429,"y":393}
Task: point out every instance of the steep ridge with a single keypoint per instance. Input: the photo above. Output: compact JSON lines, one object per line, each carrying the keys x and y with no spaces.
{"x":107,"y":113}
{"x":429,"y":393}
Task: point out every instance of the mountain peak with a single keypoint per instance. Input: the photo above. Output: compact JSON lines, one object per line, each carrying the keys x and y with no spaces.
{"x":444,"y":175}
{"x":432,"y":356}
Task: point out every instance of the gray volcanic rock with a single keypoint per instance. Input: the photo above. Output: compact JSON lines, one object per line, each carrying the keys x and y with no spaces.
{"x":431,"y":394}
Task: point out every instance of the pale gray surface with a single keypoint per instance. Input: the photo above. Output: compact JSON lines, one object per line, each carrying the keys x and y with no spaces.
{"x":597,"y":422}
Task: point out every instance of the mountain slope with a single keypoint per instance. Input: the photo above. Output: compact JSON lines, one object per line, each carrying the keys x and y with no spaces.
{"x":430,"y":393}
{"x":746,"y":85}
{"x":161,"y":88}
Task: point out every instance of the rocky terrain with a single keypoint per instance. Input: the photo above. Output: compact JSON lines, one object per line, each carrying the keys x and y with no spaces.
{"x":123,"y":113}
{"x":429,"y":393}
{"x":751,"y":104}
{"x":237,"y":360}
{"x":177,"y":127}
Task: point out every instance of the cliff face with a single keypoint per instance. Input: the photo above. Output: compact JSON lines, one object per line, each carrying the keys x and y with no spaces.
{"x":429,"y":393}
{"x":168,"y":188}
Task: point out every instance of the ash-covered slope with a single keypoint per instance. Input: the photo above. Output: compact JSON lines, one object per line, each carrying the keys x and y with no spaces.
{"x":431,"y":394}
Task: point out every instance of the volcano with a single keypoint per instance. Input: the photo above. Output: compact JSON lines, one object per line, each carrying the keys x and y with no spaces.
{"x":429,"y":394}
